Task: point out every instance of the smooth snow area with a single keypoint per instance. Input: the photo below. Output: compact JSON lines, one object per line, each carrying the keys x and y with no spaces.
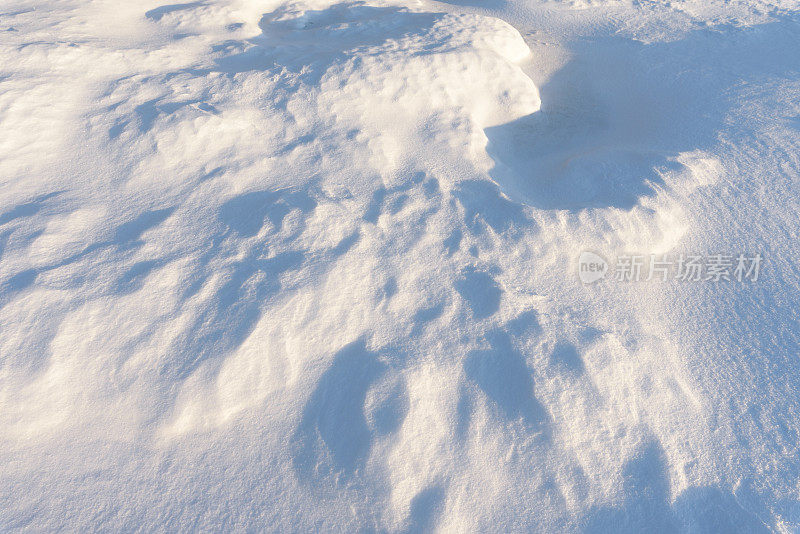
{"x":312,"y":266}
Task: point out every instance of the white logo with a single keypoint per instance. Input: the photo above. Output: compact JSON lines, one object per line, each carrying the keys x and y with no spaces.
{"x":591,"y":267}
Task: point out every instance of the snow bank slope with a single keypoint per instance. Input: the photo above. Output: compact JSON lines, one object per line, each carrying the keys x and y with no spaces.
{"x":311,"y":266}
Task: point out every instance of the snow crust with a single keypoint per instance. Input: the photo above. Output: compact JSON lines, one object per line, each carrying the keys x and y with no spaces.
{"x":296,"y":266}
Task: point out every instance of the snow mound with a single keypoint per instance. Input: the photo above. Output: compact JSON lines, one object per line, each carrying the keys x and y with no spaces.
{"x":311,"y":266}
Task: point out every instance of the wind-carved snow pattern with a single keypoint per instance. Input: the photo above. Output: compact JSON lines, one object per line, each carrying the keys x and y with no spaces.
{"x":311,"y":266}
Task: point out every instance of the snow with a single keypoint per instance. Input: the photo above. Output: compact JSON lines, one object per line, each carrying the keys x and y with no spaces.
{"x":295,"y":266}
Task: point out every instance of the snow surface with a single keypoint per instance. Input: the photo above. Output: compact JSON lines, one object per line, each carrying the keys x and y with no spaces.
{"x":312,"y":266}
